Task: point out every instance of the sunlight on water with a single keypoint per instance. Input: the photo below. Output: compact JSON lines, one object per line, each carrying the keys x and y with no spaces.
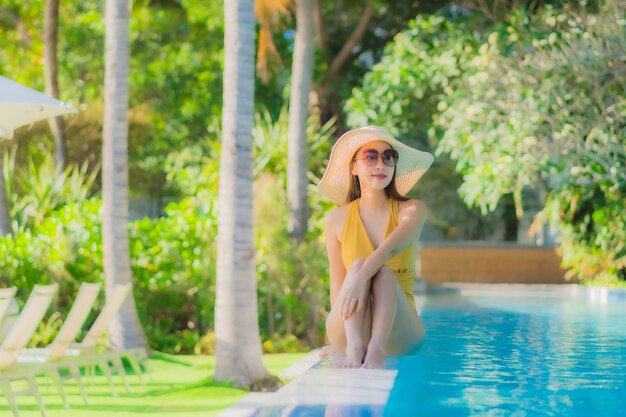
{"x":503,"y":356}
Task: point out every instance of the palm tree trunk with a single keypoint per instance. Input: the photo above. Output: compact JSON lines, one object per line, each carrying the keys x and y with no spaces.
{"x":51,"y":20}
{"x":125,"y":330}
{"x":238,"y":345}
{"x":302,"y":74}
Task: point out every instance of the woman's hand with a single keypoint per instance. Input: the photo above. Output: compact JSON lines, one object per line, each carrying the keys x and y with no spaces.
{"x":355,"y":295}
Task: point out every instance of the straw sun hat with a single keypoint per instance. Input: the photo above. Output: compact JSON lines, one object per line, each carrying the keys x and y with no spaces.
{"x":335,"y":183}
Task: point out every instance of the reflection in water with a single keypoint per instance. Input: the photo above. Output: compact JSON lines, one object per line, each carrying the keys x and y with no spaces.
{"x":332,"y":410}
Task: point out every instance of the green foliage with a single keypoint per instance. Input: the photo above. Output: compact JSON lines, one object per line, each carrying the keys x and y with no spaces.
{"x":542,"y":106}
{"x":286,"y":344}
{"x":56,"y":229}
{"x":173,"y":257}
{"x":422,"y":60}
{"x":47,"y":331}
{"x":25,"y":260}
{"x":38,"y":190}
{"x":175,"y":77}
{"x":173,"y":264}
{"x":292,"y":279}
{"x":271,"y":142}
{"x":58,"y":238}
{"x":205,"y":345}
{"x":401,"y":93}
{"x":593,"y":233}
{"x":533,"y":102}
{"x":488,"y":118}
{"x":176,"y":69}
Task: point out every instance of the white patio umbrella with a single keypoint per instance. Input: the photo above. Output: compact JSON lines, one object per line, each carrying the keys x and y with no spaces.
{"x":20,"y":106}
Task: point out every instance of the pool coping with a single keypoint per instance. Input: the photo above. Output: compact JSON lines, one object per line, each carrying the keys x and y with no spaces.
{"x":589,"y":293}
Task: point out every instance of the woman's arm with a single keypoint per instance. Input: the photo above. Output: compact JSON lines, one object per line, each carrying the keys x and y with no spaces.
{"x":411,"y":218}
{"x":333,"y":248}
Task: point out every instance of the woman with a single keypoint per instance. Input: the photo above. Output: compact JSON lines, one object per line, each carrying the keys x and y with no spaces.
{"x":370,"y":241}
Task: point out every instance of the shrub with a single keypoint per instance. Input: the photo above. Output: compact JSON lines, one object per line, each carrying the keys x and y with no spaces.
{"x":542,"y":107}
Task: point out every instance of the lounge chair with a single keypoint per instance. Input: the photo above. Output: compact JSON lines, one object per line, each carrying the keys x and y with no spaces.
{"x":65,"y":354}
{"x":85,"y":354}
{"x":8,"y":310}
{"x":82,"y":306}
{"x":36,"y":306}
{"x":87,"y":348}
{"x":6,"y":296}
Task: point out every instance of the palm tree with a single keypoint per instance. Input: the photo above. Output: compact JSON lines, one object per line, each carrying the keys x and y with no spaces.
{"x":301,"y":77}
{"x":51,"y":20}
{"x":238,"y":345}
{"x":125,"y":331}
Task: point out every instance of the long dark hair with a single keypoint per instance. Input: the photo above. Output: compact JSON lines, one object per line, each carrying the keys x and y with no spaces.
{"x":354,"y":191}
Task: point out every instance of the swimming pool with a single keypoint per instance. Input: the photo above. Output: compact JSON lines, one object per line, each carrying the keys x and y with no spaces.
{"x":492,"y":351}
{"x":525,"y":351}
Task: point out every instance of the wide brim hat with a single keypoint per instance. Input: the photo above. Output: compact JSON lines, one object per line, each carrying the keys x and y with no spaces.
{"x":335,"y":184}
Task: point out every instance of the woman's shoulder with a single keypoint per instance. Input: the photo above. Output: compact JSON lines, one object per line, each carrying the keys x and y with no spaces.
{"x":337,"y":214}
{"x":412,"y":206}
{"x":413,"y":203}
{"x":336,"y":217}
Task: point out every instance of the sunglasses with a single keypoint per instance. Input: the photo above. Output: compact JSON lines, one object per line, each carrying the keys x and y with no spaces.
{"x":370,"y":157}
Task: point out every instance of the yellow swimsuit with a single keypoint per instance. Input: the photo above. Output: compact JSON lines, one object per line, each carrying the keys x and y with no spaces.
{"x":356,"y":244}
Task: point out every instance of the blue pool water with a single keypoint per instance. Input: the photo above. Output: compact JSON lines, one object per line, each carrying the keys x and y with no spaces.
{"x":530,"y":355}
{"x":494,"y":353}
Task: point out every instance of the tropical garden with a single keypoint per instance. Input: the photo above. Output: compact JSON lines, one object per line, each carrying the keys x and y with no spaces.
{"x":210,"y":154}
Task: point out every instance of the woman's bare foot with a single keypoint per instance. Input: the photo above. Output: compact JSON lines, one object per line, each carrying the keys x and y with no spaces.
{"x":326,"y":351}
{"x":374,"y":358}
{"x":354,"y":358}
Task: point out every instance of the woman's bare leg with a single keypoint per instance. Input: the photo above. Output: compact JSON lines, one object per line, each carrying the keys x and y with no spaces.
{"x":384,"y":299}
{"x":396,"y":327}
{"x":349,"y":336}
{"x":335,"y":329}
{"x":407,"y":333}
{"x":355,"y":337}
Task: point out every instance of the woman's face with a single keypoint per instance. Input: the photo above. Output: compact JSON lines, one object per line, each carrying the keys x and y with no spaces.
{"x":370,"y":168}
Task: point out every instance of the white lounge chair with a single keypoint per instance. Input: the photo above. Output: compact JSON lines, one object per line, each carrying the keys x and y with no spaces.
{"x":8,"y":310}
{"x":11,"y":314}
{"x":85,"y":352}
{"x":82,"y":306}
{"x":6,"y":296}
{"x":65,"y":354}
{"x":36,"y":306}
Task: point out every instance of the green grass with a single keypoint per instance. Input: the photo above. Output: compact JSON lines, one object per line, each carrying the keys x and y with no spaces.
{"x":182,"y":386}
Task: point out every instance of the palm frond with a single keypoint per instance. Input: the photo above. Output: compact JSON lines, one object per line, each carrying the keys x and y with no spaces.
{"x":267,"y":13}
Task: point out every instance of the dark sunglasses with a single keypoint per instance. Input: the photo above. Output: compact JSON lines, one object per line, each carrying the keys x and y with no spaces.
{"x":370,"y":157}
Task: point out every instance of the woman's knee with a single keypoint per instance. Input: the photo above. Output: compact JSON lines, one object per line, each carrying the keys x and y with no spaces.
{"x":356,"y":265}
{"x":385,"y":274}
{"x":385,"y":270}
{"x":384,"y":283}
